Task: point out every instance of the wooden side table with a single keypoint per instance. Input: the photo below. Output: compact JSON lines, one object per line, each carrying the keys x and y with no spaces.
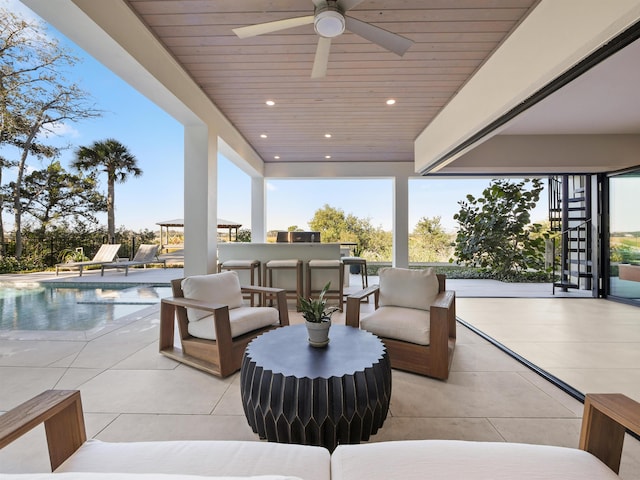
{"x":295,"y":393}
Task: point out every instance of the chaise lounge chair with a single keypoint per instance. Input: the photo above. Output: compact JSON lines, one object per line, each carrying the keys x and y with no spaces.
{"x":106,"y":254}
{"x":146,"y":255}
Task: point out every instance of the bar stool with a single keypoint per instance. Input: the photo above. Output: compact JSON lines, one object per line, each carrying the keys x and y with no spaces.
{"x":348,"y":261}
{"x":255,"y":270}
{"x":324,"y":265}
{"x":284,"y":265}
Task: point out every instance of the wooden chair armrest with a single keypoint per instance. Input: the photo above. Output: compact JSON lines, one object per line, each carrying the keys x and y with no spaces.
{"x":259,"y":289}
{"x":61,"y":413}
{"x":364,"y":293}
{"x":352,"y":317}
{"x":606,"y":418}
{"x":191,"y":303}
{"x":444,"y":299}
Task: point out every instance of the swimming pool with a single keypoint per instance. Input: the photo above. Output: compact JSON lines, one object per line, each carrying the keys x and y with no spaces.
{"x":72,"y":308}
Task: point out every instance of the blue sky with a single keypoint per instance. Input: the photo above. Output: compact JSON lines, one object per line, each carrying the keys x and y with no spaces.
{"x":156,"y":140}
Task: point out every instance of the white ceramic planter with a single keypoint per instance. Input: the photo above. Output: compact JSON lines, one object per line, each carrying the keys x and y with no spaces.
{"x":318,"y":333}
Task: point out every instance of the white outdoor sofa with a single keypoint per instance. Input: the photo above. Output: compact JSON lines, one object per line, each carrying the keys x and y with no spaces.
{"x":72,"y":457}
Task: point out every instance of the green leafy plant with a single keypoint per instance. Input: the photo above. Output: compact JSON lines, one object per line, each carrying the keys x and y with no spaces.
{"x":495,"y":231}
{"x":72,"y":255}
{"x":316,"y":311}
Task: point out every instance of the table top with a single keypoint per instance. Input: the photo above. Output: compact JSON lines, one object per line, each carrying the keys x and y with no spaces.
{"x":286,"y":351}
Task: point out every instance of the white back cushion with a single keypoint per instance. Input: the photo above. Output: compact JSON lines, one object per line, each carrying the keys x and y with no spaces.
{"x":401,"y":287}
{"x":456,"y":459}
{"x":222,"y":288}
{"x":132,"y":476}
{"x":201,"y":457}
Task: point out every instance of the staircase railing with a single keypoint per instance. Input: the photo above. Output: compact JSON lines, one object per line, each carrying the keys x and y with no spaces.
{"x":575,"y":251}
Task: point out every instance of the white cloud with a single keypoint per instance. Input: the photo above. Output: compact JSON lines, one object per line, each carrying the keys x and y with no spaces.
{"x":59,"y":130}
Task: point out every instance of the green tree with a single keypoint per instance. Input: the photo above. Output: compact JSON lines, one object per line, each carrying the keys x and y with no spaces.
{"x":495,"y":230}
{"x":114,"y":159}
{"x":54,"y":195}
{"x":244,"y":235}
{"x":429,"y":241}
{"x":336,"y":226}
{"x":330,"y":222}
{"x":35,"y":97}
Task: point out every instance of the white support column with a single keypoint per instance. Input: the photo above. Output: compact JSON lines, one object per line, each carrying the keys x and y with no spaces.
{"x":200,"y":200}
{"x":258,"y":210}
{"x":401,"y":222}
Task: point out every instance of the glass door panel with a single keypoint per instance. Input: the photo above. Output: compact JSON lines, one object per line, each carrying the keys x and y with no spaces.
{"x":624,"y":236}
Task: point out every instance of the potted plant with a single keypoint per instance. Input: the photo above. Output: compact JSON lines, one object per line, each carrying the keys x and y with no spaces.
{"x":354,"y":269}
{"x":318,"y":317}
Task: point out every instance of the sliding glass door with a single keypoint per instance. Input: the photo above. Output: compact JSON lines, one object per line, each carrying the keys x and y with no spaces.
{"x":624,"y":236}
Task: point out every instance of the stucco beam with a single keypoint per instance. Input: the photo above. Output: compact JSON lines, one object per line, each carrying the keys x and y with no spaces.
{"x":554,"y":37}
{"x":338,"y":169}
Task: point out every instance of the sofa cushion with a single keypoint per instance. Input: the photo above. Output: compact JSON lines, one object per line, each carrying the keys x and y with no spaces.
{"x":401,"y":287}
{"x":211,"y":457}
{"x":406,"y":324}
{"x":242,"y":320}
{"x":446,"y":459}
{"x":222,"y":288}
{"x":131,"y":476}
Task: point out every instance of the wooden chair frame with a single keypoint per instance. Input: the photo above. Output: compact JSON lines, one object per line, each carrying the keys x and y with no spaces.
{"x":333,"y":293}
{"x":433,"y":360}
{"x":606,"y":418}
{"x":222,"y":356}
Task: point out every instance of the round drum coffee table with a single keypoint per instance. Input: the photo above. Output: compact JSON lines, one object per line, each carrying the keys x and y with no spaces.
{"x":295,"y":393}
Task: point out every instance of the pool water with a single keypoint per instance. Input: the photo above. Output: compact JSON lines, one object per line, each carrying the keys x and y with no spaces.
{"x":78,"y":308}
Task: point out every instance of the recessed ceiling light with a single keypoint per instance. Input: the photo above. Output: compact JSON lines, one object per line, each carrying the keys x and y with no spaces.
{"x":271,"y":103}
{"x":277,"y":157}
{"x":391,"y":101}
{"x":327,"y":135}
{"x":263,"y":135}
{"x":327,"y":157}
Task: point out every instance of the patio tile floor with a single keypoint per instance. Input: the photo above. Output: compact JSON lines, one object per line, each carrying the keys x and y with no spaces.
{"x":130,"y":392}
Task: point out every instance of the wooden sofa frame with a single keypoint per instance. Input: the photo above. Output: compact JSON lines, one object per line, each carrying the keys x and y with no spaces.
{"x":433,"y":360}
{"x":222,"y":356}
{"x":605,"y":421}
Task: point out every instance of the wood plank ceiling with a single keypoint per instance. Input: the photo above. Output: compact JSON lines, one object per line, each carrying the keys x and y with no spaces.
{"x":452,"y":40}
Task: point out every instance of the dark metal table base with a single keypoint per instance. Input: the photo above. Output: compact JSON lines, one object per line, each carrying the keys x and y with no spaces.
{"x":320,"y":398}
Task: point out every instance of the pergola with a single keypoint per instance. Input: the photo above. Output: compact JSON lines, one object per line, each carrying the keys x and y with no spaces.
{"x":165,"y":233}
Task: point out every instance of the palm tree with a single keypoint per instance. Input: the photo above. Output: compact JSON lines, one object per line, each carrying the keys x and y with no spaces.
{"x":114,"y":158}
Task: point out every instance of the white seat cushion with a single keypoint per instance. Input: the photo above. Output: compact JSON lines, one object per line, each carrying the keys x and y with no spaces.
{"x":222,"y":288}
{"x":406,"y":324}
{"x":132,"y":476}
{"x":242,"y":320}
{"x":451,"y":459}
{"x":401,"y":287}
{"x":240,"y":263}
{"x":291,"y":263}
{"x":230,"y":458}
{"x":325,"y":263}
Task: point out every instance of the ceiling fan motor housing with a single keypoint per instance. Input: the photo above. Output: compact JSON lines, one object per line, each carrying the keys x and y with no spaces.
{"x":329,"y":20}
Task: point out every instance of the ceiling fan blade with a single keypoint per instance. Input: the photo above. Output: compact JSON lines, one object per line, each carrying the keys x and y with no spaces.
{"x":322,"y":58}
{"x":349,"y":4}
{"x":319,"y":3}
{"x":269,"y":27}
{"x":391,"y":41}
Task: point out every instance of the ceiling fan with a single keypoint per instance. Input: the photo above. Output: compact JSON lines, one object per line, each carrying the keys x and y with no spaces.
{"x":329,"y":21}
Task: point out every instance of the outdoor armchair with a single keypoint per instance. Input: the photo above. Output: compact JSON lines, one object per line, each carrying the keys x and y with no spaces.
{"x":414,"y":316}
{"x":213,"y":323}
